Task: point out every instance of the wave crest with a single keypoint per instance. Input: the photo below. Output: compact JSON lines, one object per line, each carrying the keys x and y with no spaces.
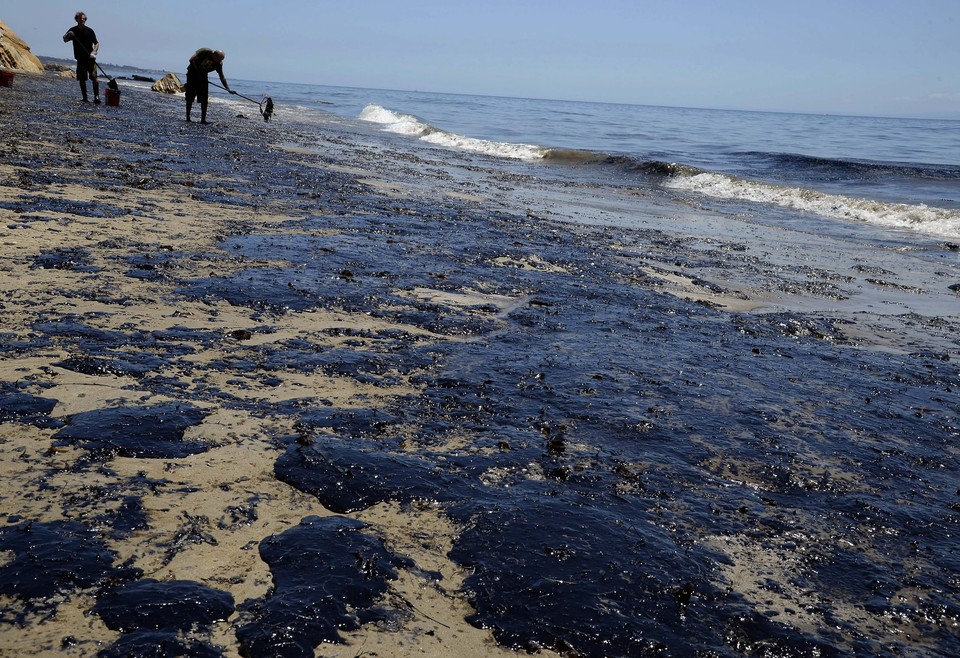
{"x":928,"y":219}
{"x":407,"y":124}
{"x":838,"y":167}
{"x":403,"y":124}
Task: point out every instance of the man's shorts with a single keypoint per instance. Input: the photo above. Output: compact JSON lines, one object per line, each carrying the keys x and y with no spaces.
{"x":198,"y":87}
{"x":86,"y":68}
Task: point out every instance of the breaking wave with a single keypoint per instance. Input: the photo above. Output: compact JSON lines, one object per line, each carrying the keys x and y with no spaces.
{"x":407,"y":124}
{"x":918,"y":217}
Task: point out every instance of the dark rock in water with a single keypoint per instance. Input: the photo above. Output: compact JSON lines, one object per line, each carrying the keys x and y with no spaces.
{"x":17,"y":407}
{"x":152,"y":432}
{"x":159,"y":644}
{"x":327,"y":576}
{"x":54,"y":558}
{"x":955,"y":287}
{"x":173,"y":605}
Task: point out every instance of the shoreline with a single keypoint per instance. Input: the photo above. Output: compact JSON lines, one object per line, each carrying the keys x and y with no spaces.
{"x":287,"y":294}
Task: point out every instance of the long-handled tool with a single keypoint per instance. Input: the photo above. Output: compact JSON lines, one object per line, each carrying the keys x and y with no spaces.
{"x":266,"y":105}
{"x":112,"y":84}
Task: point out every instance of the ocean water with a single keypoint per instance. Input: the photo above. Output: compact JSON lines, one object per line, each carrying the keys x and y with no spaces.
{"x":887,"y":172}
{"x":853,"y":171}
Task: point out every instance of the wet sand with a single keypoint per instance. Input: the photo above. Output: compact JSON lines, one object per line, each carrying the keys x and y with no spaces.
{"x":119,"y":227}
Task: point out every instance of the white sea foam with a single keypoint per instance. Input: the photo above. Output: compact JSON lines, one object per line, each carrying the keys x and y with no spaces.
{"x":403,"y":124}
{"x":928,"y":219}
{"x":486,"y":147}
{"x":407,"y":124}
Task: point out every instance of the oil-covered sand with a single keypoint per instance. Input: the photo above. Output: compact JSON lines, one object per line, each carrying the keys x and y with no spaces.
{"x":273,"y":390}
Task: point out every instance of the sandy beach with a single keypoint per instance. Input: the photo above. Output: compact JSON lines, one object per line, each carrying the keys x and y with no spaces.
{"x":84,"y":162}
{"x":185,"y":305}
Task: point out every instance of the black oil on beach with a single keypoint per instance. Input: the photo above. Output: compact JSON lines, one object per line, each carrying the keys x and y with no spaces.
{"x":634,"y":469}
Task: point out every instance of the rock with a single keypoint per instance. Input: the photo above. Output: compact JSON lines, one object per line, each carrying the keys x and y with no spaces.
{"x":67,"y":74}
{"x":169,"y":84}
{"x":15,"y":53}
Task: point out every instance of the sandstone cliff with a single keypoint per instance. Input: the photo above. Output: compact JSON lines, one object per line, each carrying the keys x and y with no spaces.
{"x":15,"y":54}
{"x":170,"y":84}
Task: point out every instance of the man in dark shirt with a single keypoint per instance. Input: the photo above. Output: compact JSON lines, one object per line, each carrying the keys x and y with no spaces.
{"x":85,"y":47}
{"x":198,"y":87}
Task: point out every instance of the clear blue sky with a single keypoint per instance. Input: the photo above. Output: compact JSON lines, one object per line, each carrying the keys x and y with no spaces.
{"x":874,"y":57}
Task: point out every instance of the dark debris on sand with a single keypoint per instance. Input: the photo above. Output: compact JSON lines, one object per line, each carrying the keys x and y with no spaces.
{"x":622,"y":463}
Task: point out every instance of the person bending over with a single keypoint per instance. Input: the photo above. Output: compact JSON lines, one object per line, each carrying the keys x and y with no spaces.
{"x":85,"y":47}
{"x":198,"y":87}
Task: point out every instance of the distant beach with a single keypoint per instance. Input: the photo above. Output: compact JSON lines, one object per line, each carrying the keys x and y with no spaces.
{"x":297,"y":389}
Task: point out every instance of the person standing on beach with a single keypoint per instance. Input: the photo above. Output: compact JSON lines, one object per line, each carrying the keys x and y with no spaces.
{"x":85,"y":47}
{"x":198,"y":87}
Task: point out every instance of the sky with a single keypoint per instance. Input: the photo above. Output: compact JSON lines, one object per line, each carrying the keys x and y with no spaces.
{"x":867,"y":57}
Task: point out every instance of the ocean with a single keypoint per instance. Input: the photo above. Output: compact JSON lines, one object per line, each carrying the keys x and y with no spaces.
{"x":887,"y":172}
{"x":892,"y":173}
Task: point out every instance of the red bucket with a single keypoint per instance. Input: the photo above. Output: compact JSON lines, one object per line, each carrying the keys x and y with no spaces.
{"x":6,"y":78}
{"x":113,"y":97}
